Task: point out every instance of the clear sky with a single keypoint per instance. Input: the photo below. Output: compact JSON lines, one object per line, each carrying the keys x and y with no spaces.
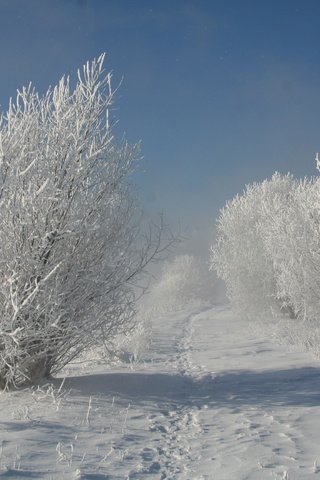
{"x":221,"y":92}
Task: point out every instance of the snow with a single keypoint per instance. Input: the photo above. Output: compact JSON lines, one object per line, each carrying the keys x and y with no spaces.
{"x":211,"y":399}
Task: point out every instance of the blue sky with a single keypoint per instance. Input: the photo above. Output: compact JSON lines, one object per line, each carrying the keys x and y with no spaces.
{"x":221,"y":92}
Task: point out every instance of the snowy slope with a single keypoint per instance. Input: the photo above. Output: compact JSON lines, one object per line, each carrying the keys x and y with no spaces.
{"x":210,"y":400}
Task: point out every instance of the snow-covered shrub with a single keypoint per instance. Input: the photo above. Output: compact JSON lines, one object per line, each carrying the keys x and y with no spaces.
{"x":71,"y":248}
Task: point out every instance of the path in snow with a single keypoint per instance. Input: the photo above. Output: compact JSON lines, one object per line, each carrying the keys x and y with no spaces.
{"x":211,"y":400}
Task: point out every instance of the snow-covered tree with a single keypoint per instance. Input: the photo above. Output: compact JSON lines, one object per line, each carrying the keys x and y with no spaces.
{"x":268,"y":253}
{"x":244,"y":253}
{"x":70,"y":233}
{"x":282,"y":227}
{"x":297,"y":250}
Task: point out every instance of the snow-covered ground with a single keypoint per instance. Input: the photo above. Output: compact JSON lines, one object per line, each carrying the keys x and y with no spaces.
{"x":210,"y":400}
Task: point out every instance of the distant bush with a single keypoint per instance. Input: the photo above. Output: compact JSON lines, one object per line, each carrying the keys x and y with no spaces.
{"x":182,"y":282}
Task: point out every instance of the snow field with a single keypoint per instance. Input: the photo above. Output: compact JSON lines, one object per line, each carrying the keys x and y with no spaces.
{"x":211,"y":399}
{"x":262,"y":416}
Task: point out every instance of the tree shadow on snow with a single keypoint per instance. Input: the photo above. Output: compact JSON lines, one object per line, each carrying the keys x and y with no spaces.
{"x":289,"y":387}
{"x":144,"y":386}
{"x":297,"y":386}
